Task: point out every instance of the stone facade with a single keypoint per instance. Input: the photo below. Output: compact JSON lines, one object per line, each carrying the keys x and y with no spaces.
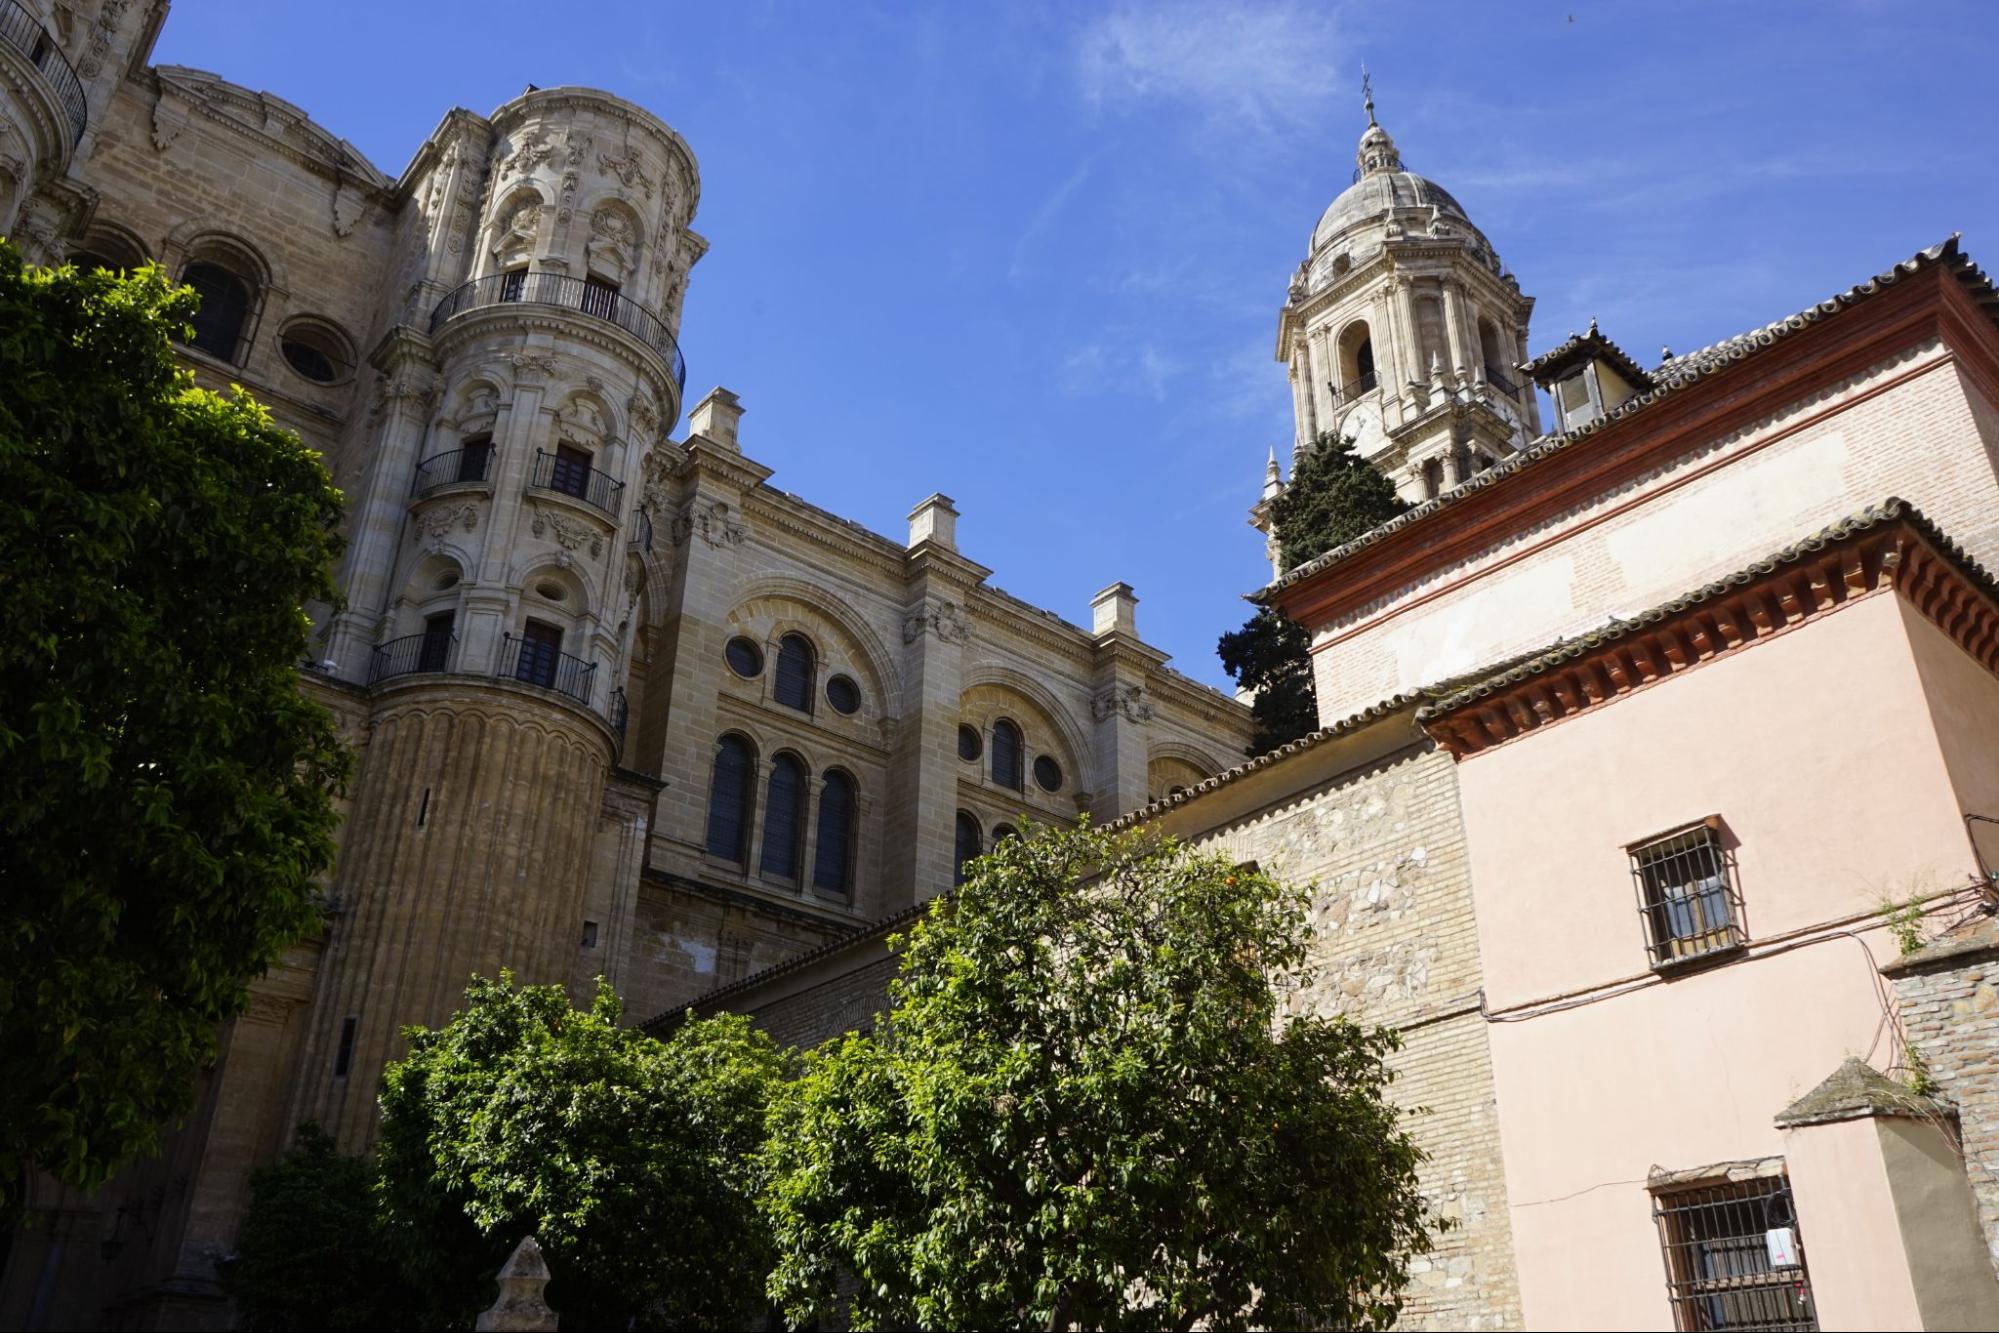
{"x":1947,"y":994}
{"x":542,"y":582}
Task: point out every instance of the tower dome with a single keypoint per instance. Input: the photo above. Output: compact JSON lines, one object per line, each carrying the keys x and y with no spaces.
{"x":1383,"y":192}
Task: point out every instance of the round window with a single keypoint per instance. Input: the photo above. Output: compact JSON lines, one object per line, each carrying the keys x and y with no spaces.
{"x":315,"y":351}
{"x":843,"y":694}
{"x":745,"y":658}
{"x":969,"y":745}
{"x":1048,"y":773}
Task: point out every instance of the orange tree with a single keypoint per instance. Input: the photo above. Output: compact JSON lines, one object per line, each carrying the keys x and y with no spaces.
{"x":165,"y":789}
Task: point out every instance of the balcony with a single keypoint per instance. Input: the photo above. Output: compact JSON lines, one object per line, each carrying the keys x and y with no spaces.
{"x":579,"y":481}
{"x":558,"y":289}
{"x":461,"y":466}
{"x":1358,"y":386}
{"x":535,"y":662}
{"x":20,"y":30}
{"x":411,"y":654}
{"x":1501,"y":383}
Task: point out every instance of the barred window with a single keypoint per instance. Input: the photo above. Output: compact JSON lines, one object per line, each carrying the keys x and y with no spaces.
{"x":784,"y":818}
{"x":1689,"y":905}
{"x":729,"y":793}
{"x":1734,"y":1256}
{"x":1006,"y":754}
{"x":793,"y":684}
{"x":833,"y":856}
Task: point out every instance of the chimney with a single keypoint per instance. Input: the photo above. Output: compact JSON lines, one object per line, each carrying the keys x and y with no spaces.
{"x":1115,"y":610}
{"x":715,"y":419}
{"x":934,"y":520}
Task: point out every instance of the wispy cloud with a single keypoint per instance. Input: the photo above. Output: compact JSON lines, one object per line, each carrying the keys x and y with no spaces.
{"x":1270,"y":65}
{"x":1044,"y":216}
{"x":1136,"y":365}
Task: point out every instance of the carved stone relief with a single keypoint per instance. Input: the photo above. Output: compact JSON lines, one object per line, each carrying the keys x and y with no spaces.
{"x":431,"y":524}
{"x":713,"y":521}
{"x":628,"y":168}
{"x":1127,"y":699}
{"x":943,"y":620}
{"x":533,"y":150}
{"x":568,"y":533}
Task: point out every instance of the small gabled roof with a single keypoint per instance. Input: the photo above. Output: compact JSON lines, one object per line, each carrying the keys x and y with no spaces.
{"x":1591,"y":345}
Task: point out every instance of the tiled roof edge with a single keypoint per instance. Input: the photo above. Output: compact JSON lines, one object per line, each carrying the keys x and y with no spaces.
{"x":1889,"y":511}
{"x":1671,"y":377}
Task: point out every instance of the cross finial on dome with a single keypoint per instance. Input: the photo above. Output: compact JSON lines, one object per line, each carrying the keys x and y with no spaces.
{"x":1367,"y":93}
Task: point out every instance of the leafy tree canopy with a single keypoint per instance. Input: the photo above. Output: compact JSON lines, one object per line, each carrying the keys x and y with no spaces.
{"x":628,"y":1158}
{"x":1334,"y":496}
{"x":1085,"y":1109}
{"x":165,"y":789}
{"x":310,"y":1254}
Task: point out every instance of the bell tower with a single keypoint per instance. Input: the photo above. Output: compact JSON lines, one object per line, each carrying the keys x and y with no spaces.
{"x":1403,"y":331}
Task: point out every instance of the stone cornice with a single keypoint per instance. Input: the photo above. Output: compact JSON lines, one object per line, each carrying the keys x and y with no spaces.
{"x":513,"y":320}
{"x":784,"y":511}
{"x":209,"y":93}
{"x":1890,"y":546}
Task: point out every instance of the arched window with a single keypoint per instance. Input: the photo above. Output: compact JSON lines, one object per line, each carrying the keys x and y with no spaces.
{"x":784,"y":818}
{"x":1001,"y":832}
{"x":793,"y":684}
{"x":729,"y":798}
{"x":225,"y":309}
{"x":1006,"y":754}
{"x":969,"y":842}
{"x":833,"y":857}
{"x":1433,"y":478}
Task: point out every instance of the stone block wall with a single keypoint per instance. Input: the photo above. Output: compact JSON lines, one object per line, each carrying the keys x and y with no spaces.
{"x":1948,"y":996}
{"x":1382,"y":845}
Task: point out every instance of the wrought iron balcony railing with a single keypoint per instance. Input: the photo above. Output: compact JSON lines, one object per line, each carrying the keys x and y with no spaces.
{"x":1501,"y":382}
{"x":1358,"y":385}
{"x":459,"y":465}
{"x":539,"y":663}
{"x":411,"y":654}
{"x":20,"y":30}
{"x":580,"y":481}
{"x":619,"y":713}
{"x":559,"y":289}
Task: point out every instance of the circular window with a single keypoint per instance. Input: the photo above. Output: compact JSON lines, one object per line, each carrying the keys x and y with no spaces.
{"x":316,"y":352}
{"x":448,"y":579}
{"x":844,"y":695}
{"x":969,"y":745}
{"x":1048,"y":773}
{"x":745,"y":658}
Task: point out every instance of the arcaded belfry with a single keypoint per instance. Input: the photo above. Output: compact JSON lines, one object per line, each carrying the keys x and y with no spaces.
{"x":1404,"y":331}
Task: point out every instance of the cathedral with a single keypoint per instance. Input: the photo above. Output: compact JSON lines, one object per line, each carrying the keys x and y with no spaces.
{"x":1629,"y":726}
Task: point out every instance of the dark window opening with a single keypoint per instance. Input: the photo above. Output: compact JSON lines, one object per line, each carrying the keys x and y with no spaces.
{"x":844,"y":695}
{"x":541,"y":651}
{"x":784,"y":818}
{"x":1006,"y":754}
{"x":423,"y":809}
{"x":1735,"y":1258}
{"x":833,"y":855}
{"x":589,"y":934}
{"x":343,"y":1060}
{"x":969,"y":843}
{"x":1047,"y":773}
{"x":435,"y":652}
{"x":513,"y":283}
{"x":570,"y":473}
{"x":1001,"y":832}
{"x":970,"y":747}
{"x":729,"y":799}
{"x":600,"y":297}
{"x":744,"y":657}
{"x":473,"y":457}
{"x":792,"y":686}
{"x":225,"y":309}
{"x":309,"y":361}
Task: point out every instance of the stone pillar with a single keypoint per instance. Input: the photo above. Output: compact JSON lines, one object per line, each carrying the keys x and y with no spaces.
{"x":1298,"y":407}
{"x":521,"y":1307}
{"x":1887,"y":1218}
{"x":1301,"y":379}
{"x":408,"y":387}
{"x":934,"y":520}
{"x":1456,"y":330}
{"x":1324,"y":407}
{"x":1408,"y":336}
{"x":1119,"y":707}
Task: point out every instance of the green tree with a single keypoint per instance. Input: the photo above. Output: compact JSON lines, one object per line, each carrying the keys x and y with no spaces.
{"x":310,"y":1254}
{"x":165,"y":789}
{"x":1085,"y":1109}
{"x":628,"y":1158}
{"x":1334,"y":496}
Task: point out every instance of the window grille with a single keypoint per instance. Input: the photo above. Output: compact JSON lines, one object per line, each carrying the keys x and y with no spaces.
{"x":969,"y":843}
{"x":784,"y":818}
{"x":1735,"y":1258}
{"x":1006,"y":754}
{"x":792,"y":686}
{"x":1685,"y":894}
{"x":729,"y":798}
{"x":833,"y":857}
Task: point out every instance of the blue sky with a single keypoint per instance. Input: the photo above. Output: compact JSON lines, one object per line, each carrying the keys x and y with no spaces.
{"x":1031,"y":255}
